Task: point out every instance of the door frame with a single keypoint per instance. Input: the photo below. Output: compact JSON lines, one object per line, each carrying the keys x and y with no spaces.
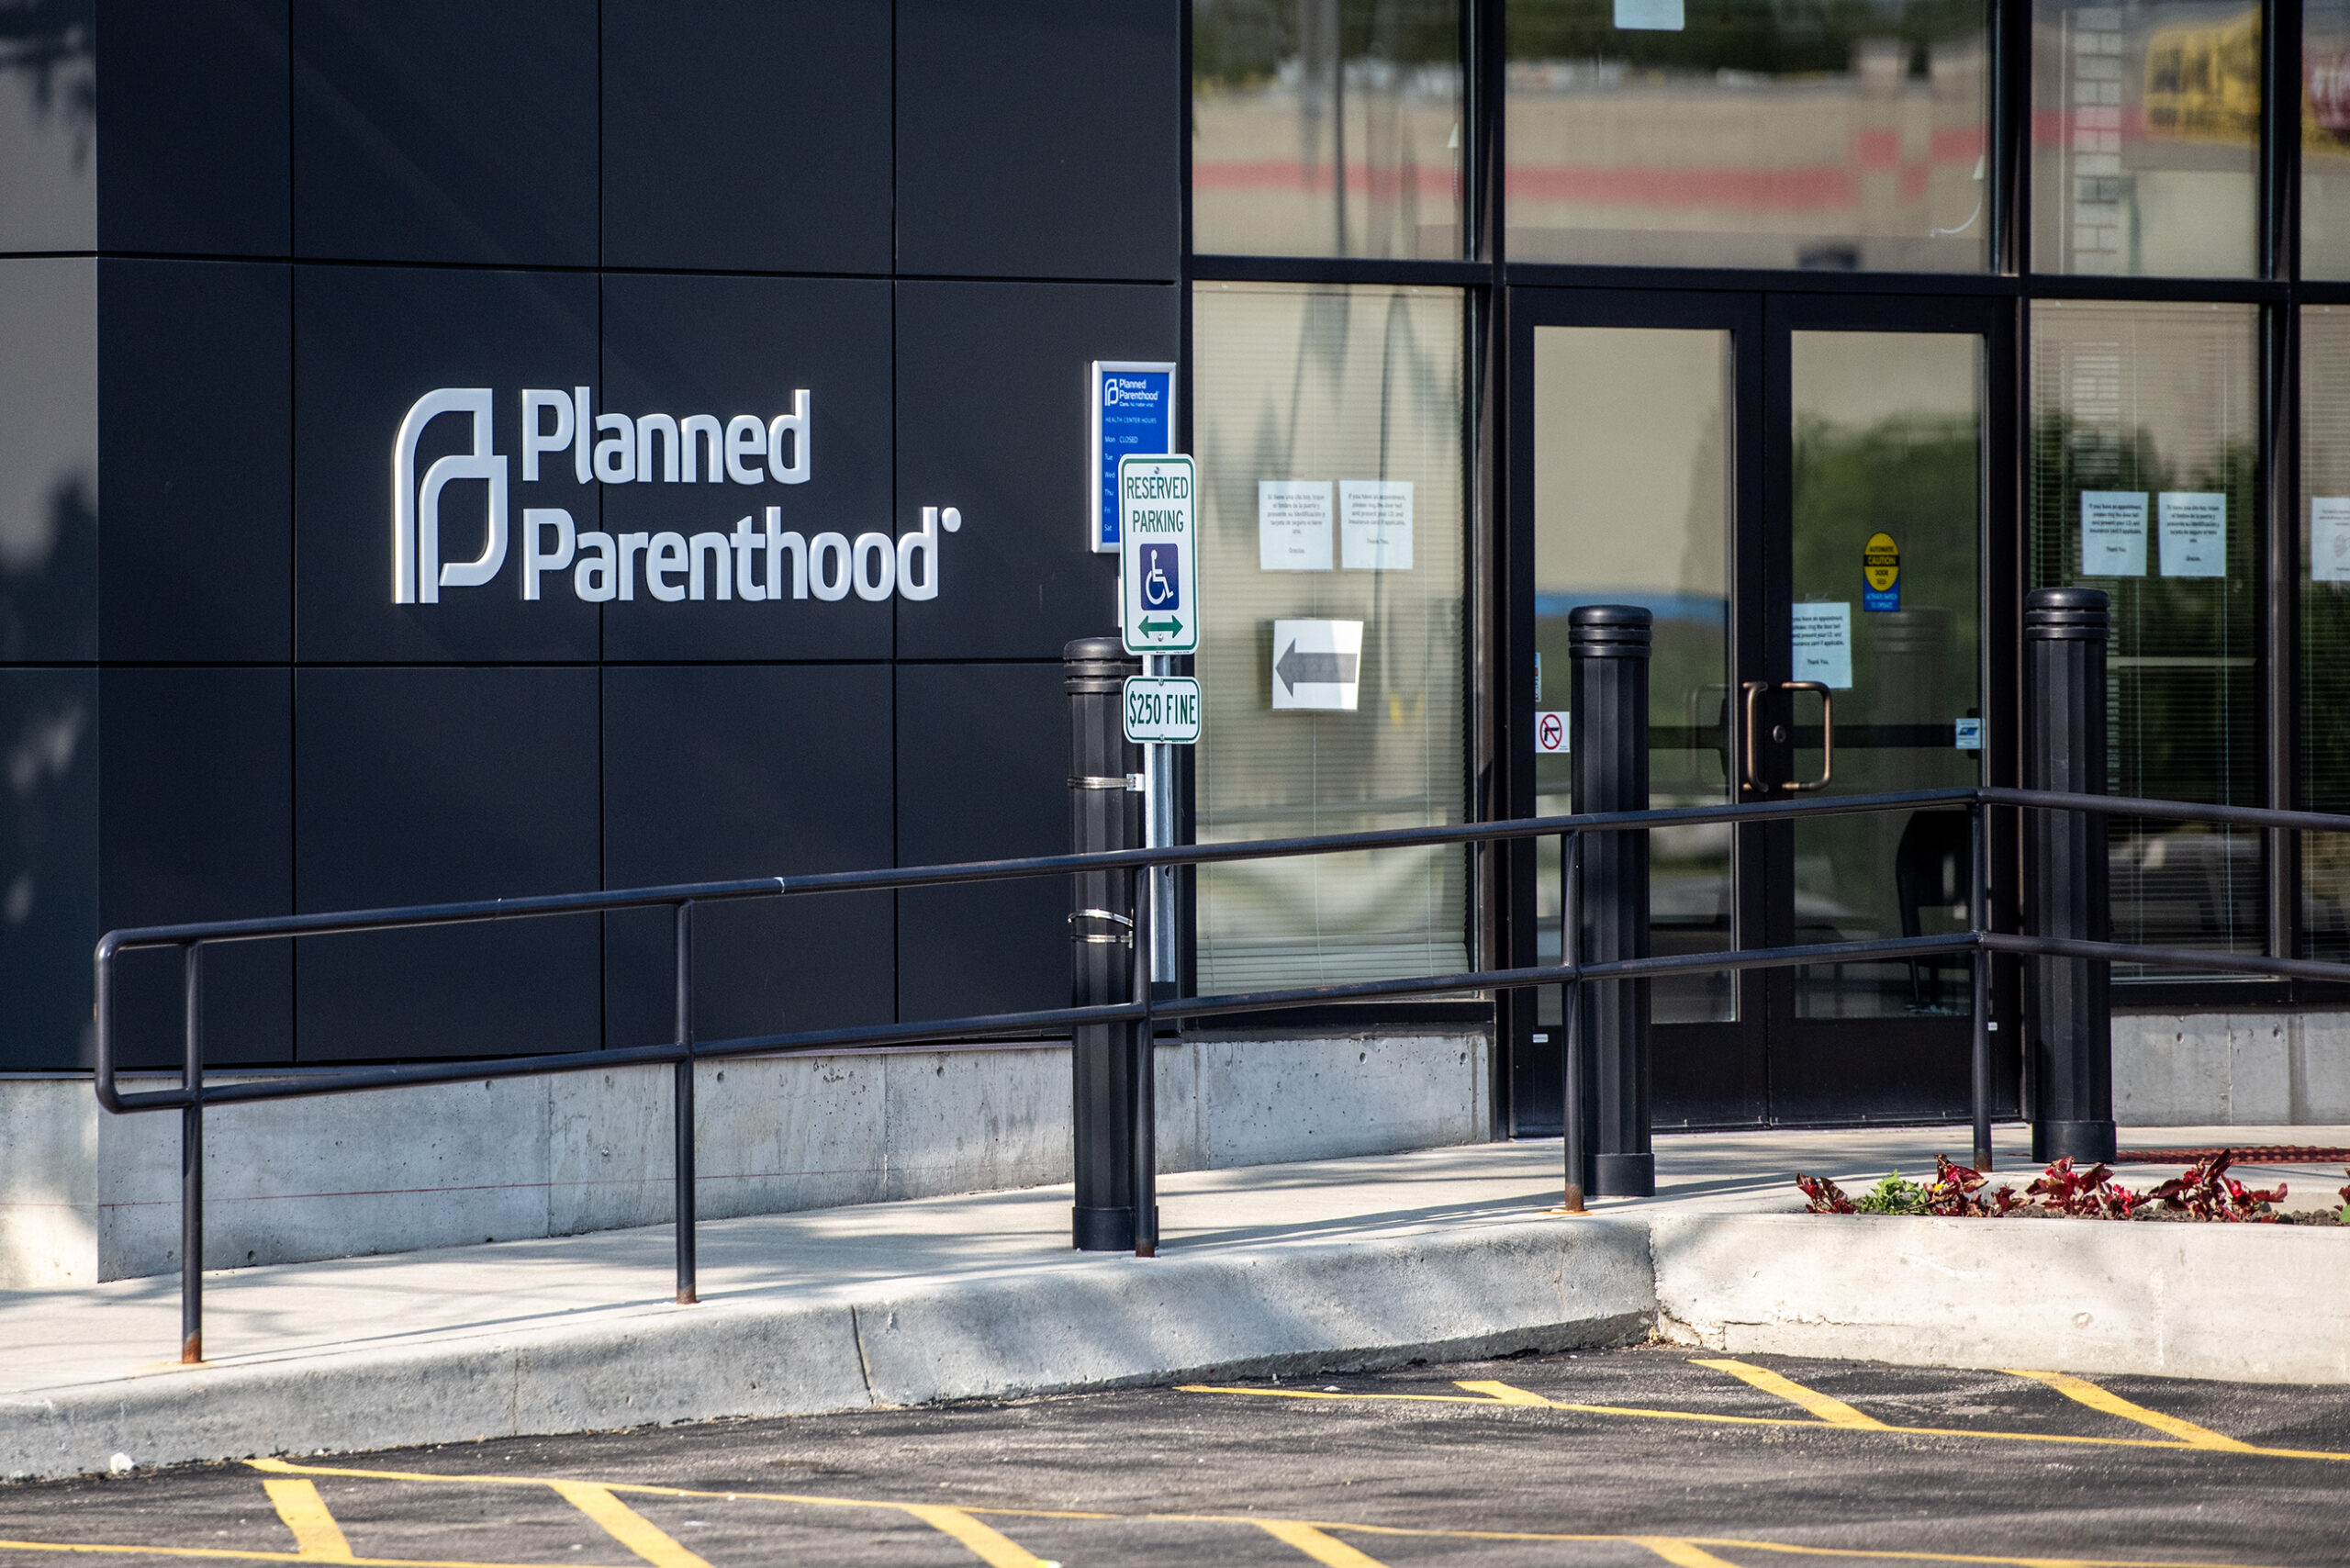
{"x":1733,"y":1059}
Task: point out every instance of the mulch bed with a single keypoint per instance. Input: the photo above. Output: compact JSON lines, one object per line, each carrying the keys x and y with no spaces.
{"x":2268,"y":1154}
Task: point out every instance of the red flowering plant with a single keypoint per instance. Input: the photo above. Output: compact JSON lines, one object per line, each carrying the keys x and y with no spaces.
{"x":1952,"y":1194}
{"x":1823,"y":1196}
{"x":2205,"y":1190}
{"x":2088,"y":1195}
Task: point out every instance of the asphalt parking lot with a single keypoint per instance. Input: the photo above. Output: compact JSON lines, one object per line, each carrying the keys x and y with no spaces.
{"x":1627,"y":1457}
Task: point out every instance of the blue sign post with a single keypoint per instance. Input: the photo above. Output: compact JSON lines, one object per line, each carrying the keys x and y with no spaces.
{"x":1133,"y":415}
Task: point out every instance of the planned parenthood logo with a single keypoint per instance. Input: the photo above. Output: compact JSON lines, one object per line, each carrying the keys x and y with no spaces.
{"x":767,"y":563}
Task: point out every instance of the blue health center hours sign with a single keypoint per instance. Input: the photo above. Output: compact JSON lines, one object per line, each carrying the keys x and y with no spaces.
{"x":1133,"y":415}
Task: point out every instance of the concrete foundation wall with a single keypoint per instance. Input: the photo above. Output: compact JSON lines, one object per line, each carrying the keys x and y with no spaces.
{"x":2252,"y":1068}
{"x":86,"y":1197}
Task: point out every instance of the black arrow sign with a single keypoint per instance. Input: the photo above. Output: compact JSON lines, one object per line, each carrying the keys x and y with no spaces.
{"x":1298,"y":669}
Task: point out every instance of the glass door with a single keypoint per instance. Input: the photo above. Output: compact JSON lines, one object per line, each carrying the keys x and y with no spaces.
{"x":1870,"y":679}
{"x":1794,"y":488}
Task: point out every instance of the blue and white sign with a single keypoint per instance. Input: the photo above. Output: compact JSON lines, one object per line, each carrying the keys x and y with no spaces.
{"x":1133,"y":415}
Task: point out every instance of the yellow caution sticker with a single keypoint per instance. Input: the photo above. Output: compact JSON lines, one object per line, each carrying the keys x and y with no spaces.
{"x":1881,"y":565}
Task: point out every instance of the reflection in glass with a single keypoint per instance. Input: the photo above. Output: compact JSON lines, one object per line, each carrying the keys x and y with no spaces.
{"x":1320,"y":412}
{"x":2325,"y":139}
{"x":1285,"y":93}
{"x":1632,"y":505}
{"x":2145,"y":139}
{"x":1803,"y":135}
{"x":1888,"y":442}
{"x":2325,"y":624}
{"x":2145,"y":424}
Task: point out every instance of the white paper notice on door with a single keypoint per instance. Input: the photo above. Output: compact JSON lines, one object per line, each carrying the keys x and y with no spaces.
{"x":1823,"y":645}
{"x":2113,"y":533}
{"x":1375,"y":525}
{"x":2194,"y":533}
{"x":2329,"y":538}
{"x":1294,"y":525}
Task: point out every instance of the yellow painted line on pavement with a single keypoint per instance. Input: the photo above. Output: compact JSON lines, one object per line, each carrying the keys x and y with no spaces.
{"x":1681,"y":1553}
{"x":1327,"y":1549}
{"x":991,"y":1547}
{"x":2112,"y":1404}
{"x":625,"y":1525}
{"x":1867,"y":1424}
{"x":220,"y":1554}
{"x":315,"y":1535}
{"x":1695,"y":1547}
{"x":1503,"y":1393}
{"x":1517,"y":1396}
{"x":1833,"y":1411}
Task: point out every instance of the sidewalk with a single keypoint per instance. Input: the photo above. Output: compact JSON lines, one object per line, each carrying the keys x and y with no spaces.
{"x":1356,"y":1261}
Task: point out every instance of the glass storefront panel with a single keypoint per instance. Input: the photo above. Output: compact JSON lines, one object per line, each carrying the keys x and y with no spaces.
{"x":2146,"y":138}
{"x":2325,"y":139}
{"x":1632,"y":504}
{"x":1737,"y":133}
{"x":1287,"y":93}
{"x":2145,"y":437}
{"x":1328,"y":423}
{"x":2325,"y":625}
{"x":1888,"y":468}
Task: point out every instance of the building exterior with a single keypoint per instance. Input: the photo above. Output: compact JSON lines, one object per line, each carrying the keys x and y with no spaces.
{"x":727,"y":363}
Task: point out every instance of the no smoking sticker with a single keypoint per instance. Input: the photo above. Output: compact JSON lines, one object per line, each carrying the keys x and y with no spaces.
{"x":1549,"y":734}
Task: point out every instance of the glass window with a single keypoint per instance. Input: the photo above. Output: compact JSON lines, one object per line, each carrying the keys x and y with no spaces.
{"x":1741,"y":133}
{"x":2325,"y":624}
{"x":2325,"y":139}
{"x":2145,"y":139}
{"x":1632,"y":451}
{"x":1288,"y":94}
{"x":2145,"y":425}
{"x":1328,"y":425}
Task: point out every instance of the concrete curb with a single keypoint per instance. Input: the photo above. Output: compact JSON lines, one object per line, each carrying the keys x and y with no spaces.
{"x":1339,"y":1304}
{"x":2243,"y":1303}
{"x":2253,"y":1304}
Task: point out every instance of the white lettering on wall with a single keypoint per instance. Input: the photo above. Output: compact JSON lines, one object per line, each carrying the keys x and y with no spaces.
{"x":673,"y":564}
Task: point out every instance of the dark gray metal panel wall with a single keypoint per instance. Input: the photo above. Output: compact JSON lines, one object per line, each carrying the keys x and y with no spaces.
{"x":686,"y":344}
{"x":737,"y":770}
{"x":1039,"y":138}
{"x":930,"y":214}
{"x":368,"y":342}
{"x":49,"y":865}
{"x":196,"y":795}
{"x":982,"y":774}
{"x":446,"y":130}
{"x":412,"y":785}
{"x":195,"y":396}
{"x":747,"y":138}
{"x":170,"y":66}
{"x":991,"y":417}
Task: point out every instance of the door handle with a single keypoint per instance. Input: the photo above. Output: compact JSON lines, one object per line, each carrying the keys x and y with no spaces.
{"x":1755,"y":689}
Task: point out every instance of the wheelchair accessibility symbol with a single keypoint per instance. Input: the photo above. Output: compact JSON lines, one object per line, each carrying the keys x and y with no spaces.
{"x":1159,"y":570}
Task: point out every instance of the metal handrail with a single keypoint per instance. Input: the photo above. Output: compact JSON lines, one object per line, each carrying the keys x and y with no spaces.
{"x":192,"y":1094}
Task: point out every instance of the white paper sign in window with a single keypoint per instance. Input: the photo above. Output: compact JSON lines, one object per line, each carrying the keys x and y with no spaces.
{"x":1318,"y":663}
{"x":1651,"y":16}
{"x":2194,"y":533}
{"x":2329,"y":538}
{"x":1823,"y":645}
{"x":1294,"y":525}
{"x":1375,"y":525}
{"x":2113,"y":533}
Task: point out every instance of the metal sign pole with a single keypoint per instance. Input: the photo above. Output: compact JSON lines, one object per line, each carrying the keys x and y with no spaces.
{"x":1158,"y":832}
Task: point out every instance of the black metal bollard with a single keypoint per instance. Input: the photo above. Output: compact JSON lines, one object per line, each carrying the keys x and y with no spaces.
{"x":2064,"y":632}
{"x":1608,"y":740}
{"x":1104,"y":812}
